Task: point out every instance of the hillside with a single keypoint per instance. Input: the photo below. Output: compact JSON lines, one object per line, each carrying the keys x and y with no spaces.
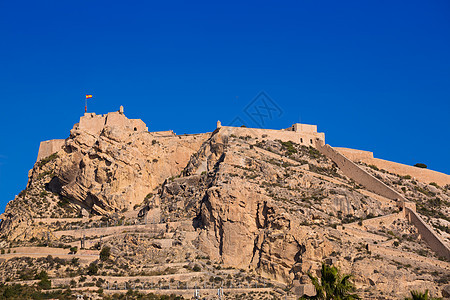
{"x":233,"y":208}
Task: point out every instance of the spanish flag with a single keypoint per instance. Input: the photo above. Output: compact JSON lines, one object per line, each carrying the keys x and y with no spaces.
{"x":88,"y":96}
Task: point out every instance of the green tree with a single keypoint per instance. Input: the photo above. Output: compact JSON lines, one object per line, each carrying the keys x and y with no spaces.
{"x":105,"y":253}
{"x":45,"y":284}
{"x":332,"y":285}
{"x":92,"y":268}
{"x":417,"y":295}
{"x":42,"y":275}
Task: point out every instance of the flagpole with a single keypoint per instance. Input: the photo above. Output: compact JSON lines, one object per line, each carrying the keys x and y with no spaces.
{"x":85,"y":105}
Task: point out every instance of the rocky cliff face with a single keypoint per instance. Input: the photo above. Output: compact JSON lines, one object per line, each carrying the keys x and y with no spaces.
{"x":254,"y":210}
{"x":272,"y":208}
{"x":99,"y":174}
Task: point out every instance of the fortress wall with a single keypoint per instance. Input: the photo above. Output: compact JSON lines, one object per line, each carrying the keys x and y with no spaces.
{"x":139,"y":125}
{"x":428,"y":234}
{"x":304,"y":127}
{"x":163,"y":133}
{"x":303,"y":138}
{"x":92,"y":123}
{"x":353,"y":154}
{"x":420,"y":174}
{"x":120,"y":120}
{"x":47,"y":148}
{"x":351,"y":170}
{"x":360,"y":176}
{"x":423,"y":175}
{"x":117,"y":119}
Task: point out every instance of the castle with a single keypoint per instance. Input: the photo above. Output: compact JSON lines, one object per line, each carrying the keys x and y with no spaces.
{"x":303,"y":134}
{"x":94,"y":125}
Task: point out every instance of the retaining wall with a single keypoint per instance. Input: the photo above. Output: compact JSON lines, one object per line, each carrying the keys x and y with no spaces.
{"x":428,"y":234}
{"x":350,"y":169}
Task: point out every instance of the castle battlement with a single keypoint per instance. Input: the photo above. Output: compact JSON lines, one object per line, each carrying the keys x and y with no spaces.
{"x":94,"y":124}
{"x":303,"y":134}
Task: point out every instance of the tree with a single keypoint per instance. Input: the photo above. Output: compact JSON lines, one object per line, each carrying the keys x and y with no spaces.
{"x":92,"y":269}
{"x":44,"y":282}
{"x":105,"y":253}
{"x":332,"y":285}
{"x":417,"y":295}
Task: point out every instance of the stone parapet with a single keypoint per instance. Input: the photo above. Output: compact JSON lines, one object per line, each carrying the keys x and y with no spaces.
{"x":306,"y":138}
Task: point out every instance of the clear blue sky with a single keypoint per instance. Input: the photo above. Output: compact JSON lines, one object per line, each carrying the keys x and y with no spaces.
{"x":373,"y":75}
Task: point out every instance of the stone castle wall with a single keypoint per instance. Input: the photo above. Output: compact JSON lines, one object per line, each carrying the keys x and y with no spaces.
{"x":94,"y":124}
{"x":47,"y":148}
{"x":353,"y":154}
{"x":351,"y":170}
{"x":420,"y":174}
{"x":307,"y":138}
{"x":428,"y":234}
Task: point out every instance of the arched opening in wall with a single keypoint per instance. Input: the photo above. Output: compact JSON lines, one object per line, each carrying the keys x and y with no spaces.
{"x":135,"y":129}
{"x":310,"y":141}
{"x":301,"y":140}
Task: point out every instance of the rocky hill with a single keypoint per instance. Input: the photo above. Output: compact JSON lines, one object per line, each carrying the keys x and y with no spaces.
{"x":251,"y":214}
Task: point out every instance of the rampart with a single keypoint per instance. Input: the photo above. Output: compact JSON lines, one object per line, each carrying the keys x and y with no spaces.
{"x":428,"y":234}
{"x":420,"y":174}
{"x":308,"y":137}
{"x":353,"y":154}
{"x":94,"y":124}
{"x":47,"y":148}
{"x":351,"y":170}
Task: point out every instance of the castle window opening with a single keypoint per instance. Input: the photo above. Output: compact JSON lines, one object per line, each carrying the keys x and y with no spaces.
{"x":135,"y":129}
{"x":301,"y":140}
{"x":310,"y":141}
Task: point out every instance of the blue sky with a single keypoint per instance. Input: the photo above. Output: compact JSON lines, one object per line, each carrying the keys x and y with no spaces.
{"x":373,"y":75}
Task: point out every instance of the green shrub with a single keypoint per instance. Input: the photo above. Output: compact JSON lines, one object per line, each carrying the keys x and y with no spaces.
{"x":289,"y":146}
{"x":105,"y":253}
{"x":434,"y":184}
{"x":420,"y":165}
{"x":92,"y":268}
{"x":196,"y":268}
{"x":42,"y":275}
{"x":47,"y":159}
{"x":374,"y":167}
{"x":45,"y":284}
